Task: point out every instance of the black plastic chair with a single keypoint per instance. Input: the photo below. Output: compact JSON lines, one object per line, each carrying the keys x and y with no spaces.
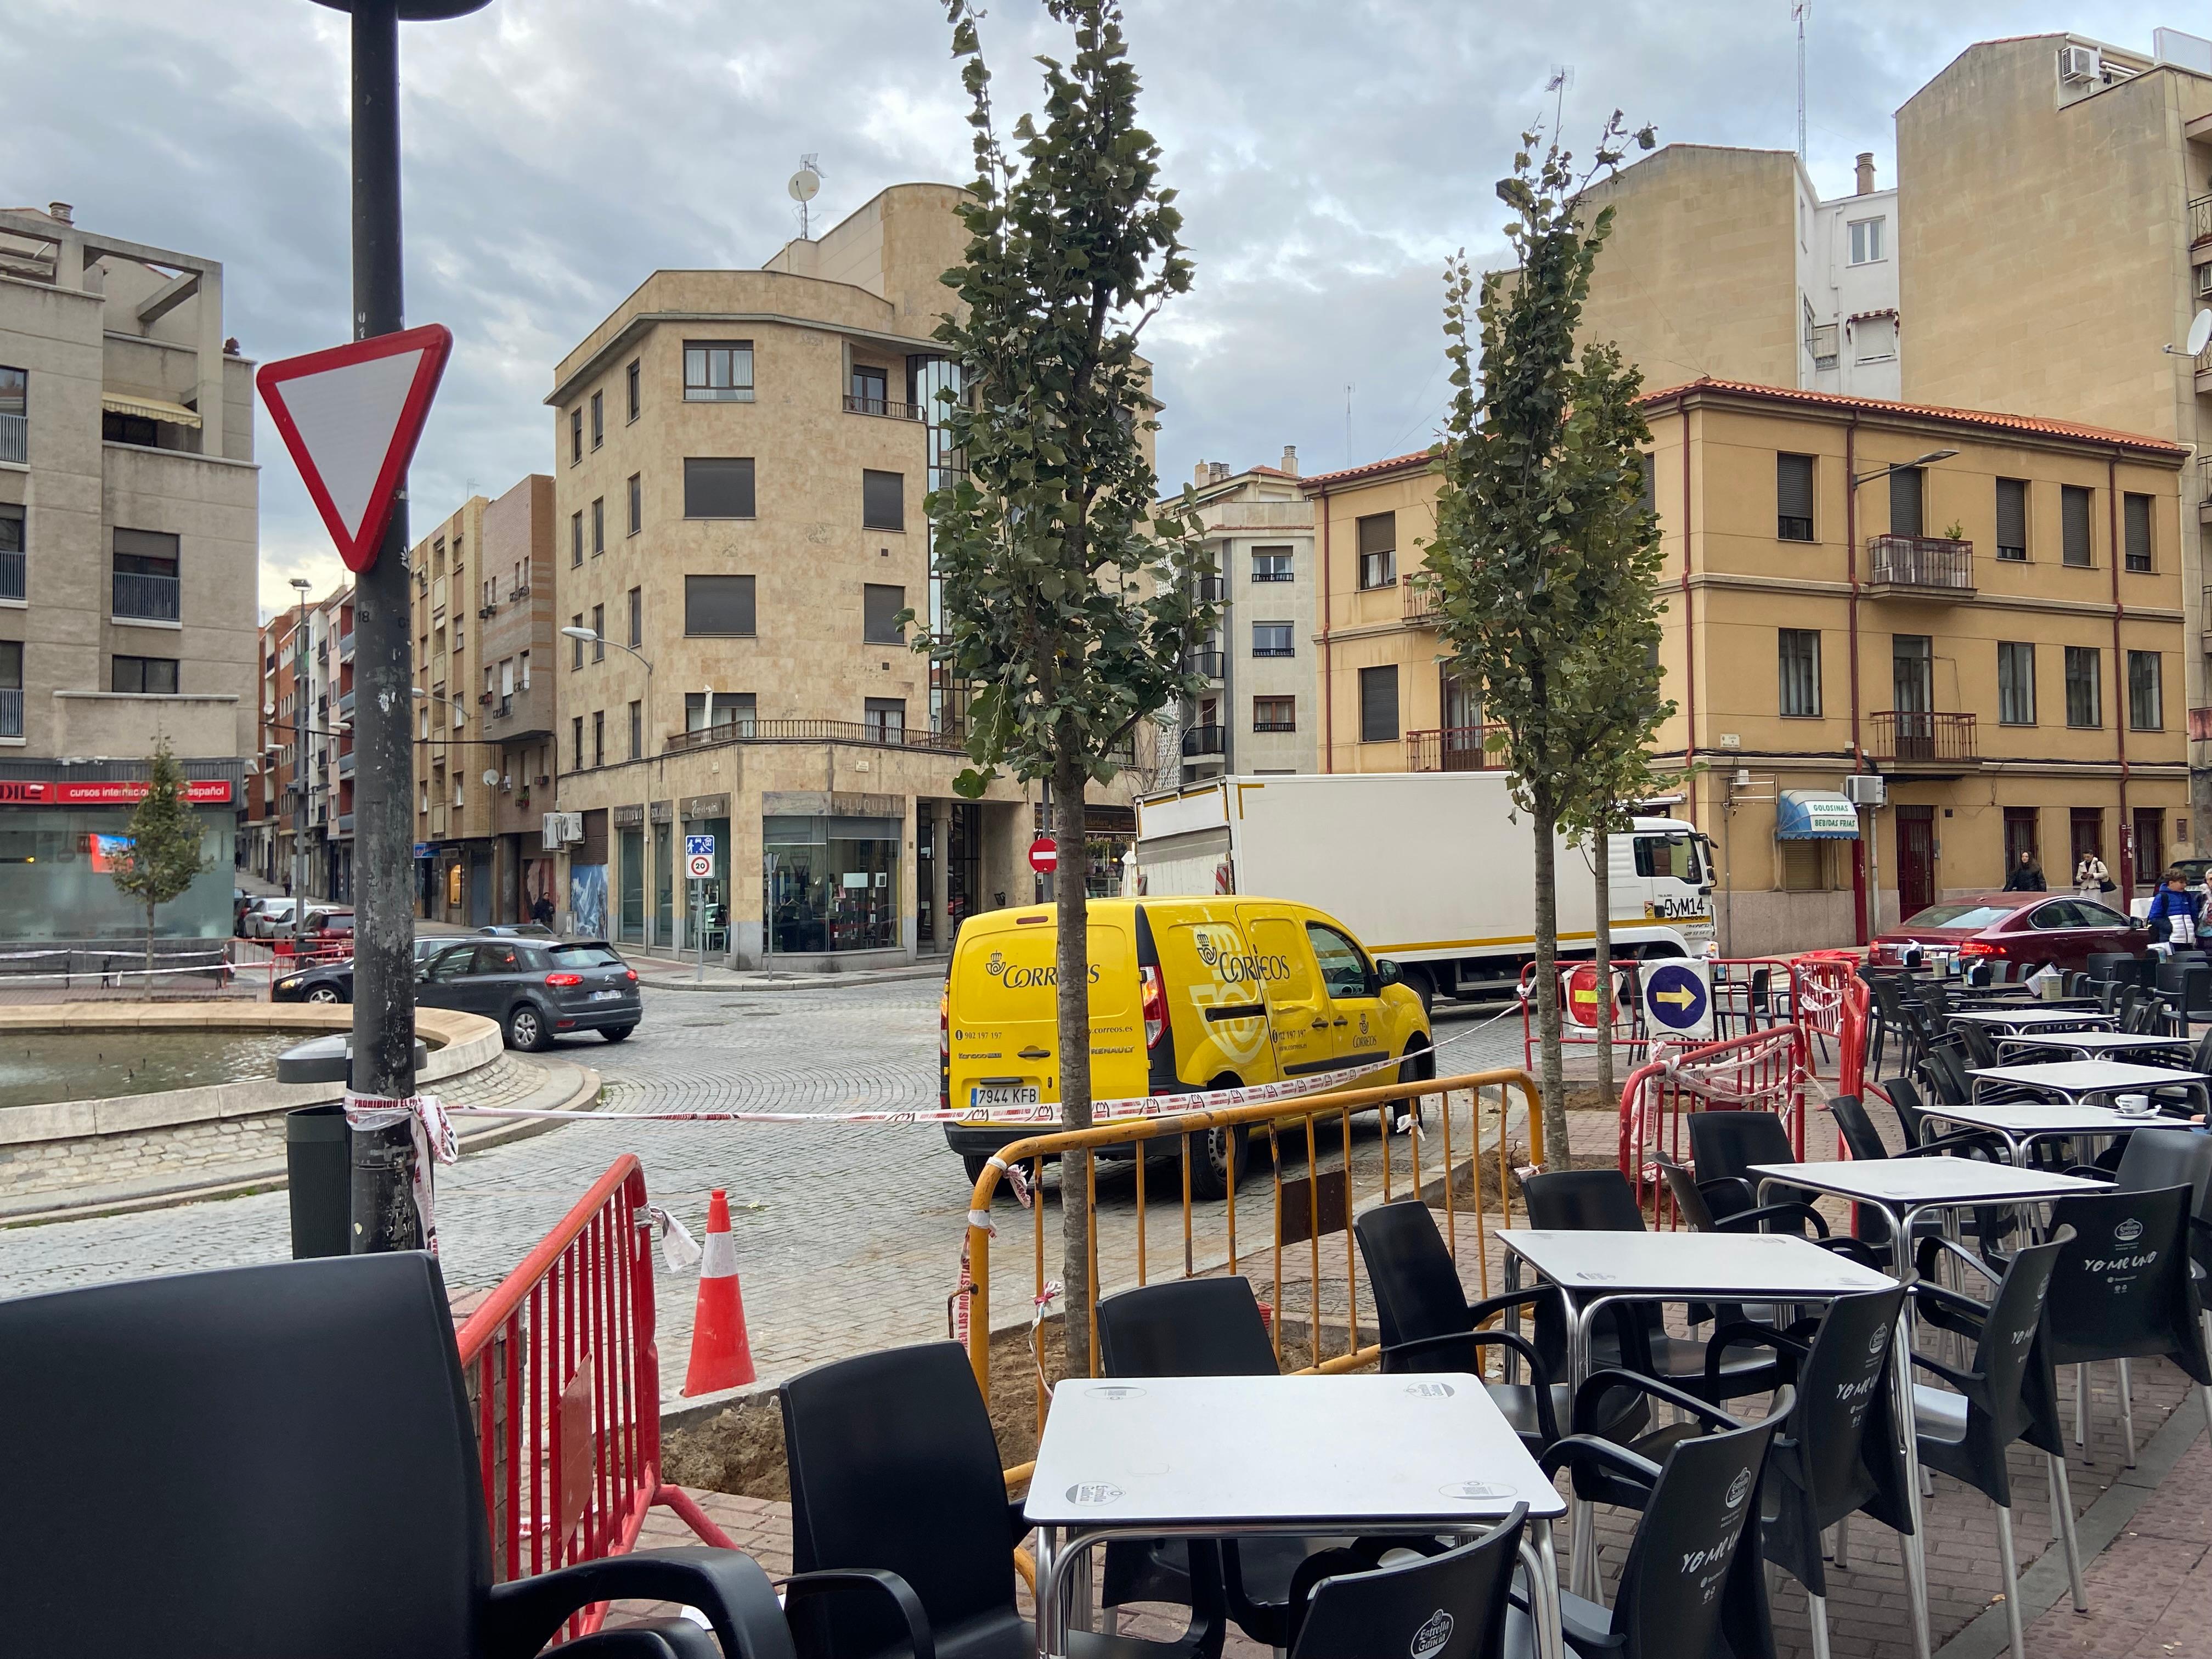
{"x":1903,"y":1096}
{"x":2112,"y":967}
{"x":2008,"y":1395}
{"x":894,"y":1468}
{"x":1723,"y":1145}
{"x":292,"y":1444}
{"x":1980,"y":1051}
{"x":1449,"y":1606}
{"x":1689,"y":1588}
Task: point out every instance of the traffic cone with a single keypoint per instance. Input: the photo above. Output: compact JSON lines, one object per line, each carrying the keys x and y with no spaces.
{"x":721,"y":1355}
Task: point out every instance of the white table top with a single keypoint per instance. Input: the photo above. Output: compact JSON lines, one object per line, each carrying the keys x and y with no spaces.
{"x":1357,"y":1449}
{"x":2078,"y":1077}
{"x":1686,"y":1264}
{"x":2109,"y":1043}
{"x":1918,"y":1181}
{"x":2058,"y":1118}
{"x":2033,"y":1014}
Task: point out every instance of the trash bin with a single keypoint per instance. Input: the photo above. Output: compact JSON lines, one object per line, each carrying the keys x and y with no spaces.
{"x":317,"y":1160}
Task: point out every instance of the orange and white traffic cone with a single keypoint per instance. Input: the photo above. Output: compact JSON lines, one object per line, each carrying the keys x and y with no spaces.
{"x":721,"y":1355}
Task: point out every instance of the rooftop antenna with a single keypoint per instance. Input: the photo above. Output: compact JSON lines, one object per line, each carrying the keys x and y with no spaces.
{"x":804,"y":185}
{"x":1801,"y":10}
{"x":1347,"y":423}
{"x":1563,"y":79}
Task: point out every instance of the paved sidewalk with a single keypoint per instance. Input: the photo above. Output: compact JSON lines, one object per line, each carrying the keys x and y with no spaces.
{"x":670,"y":974}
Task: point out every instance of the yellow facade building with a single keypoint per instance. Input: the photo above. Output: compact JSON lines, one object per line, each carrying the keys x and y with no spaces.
{"x":1990,"y":619}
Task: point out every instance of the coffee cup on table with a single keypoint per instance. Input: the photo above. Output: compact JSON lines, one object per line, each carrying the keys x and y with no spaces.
{"x":2132,"y":1105}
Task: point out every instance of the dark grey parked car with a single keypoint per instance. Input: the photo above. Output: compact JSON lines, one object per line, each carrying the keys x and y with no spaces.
{"x":537,"y":991}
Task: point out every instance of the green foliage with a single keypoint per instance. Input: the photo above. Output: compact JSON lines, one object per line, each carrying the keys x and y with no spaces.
{"x":164,"y":857}
{"x":1069,"y":601}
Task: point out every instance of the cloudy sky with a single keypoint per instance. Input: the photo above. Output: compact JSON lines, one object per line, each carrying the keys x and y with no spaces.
{"x":1329,"y":153}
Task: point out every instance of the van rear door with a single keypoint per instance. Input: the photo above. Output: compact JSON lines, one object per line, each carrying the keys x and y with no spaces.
{"x":1004,"y":1018}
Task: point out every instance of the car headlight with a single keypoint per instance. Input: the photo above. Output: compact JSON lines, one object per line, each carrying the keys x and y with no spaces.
{"x":286,"y":984}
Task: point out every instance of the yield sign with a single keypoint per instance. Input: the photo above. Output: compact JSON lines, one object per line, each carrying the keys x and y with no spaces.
{"x":351,"y":416}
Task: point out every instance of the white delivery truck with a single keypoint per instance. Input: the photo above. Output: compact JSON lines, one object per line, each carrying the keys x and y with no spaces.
{"x":1434,"y":870}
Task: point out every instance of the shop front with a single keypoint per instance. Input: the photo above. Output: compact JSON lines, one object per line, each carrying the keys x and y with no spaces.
{"x":832,"y":883}
{"x":58,"y":843}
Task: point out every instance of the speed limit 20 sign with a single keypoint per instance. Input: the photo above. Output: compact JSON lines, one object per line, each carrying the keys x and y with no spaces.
{"x":702,"y":866}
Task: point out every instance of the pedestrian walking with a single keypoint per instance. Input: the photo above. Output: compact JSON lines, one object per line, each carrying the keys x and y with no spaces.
{"x":2027,"y":876}
{"x":2091,"y":879}
{"x":542,"y":911}
{"x":2173,"y":915}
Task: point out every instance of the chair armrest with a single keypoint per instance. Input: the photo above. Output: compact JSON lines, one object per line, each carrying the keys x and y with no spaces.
{"x":1967,"y":1382}
{"x":1598,"y":1383}
{"x":1738,"y":1332}
{"x":826,"y":1579}
{"x":1590,"y":1449}
{"x":1017,"y":1520}
{"x":1482,"y":1312}
{"x":1944,"y":1296}
{"x":2091,"y":1172}
{"x":727,"y":1585}
{"x":1857,"y":1250}
{"x":1739,"y":1192}
{"x":1924,"y":1263}
{"x":1972,"y":1139}
{"x":1547,"y":1421}
{"x":1755,"y":1220}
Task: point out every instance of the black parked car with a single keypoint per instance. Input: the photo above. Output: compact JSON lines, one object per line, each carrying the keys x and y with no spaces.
{"x":333,"y":981}
{"x":535,"y":990}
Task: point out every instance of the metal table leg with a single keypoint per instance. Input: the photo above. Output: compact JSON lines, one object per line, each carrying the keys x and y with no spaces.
{"x":1583,"y":1523}
{"x":1544,"y":1580}
{"x":1051,"y":1639}
{"x":1914,"y":1548}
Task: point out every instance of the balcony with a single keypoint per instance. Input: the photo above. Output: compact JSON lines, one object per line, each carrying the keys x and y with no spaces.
{"x":345,"y":823}
{"x":884,"y":406}
{"x":1208,"y":665}
{"x":1907,"y":737}
{"x":2200,"y":221}
{"x":1422,"y":605}
{"x":14,"y":439}
{"x":345,"y":705}
{"x":1454,"y":749}
{"x":11,"y":711}
{"x":345,"y":646}
{"x":14,"y":574}
{"x":1921,"y":564}
{"x":1199,"y":740}
{"x":136,"y":597}
{"x":345,"y":764}
{"x":1211,"y":590}
{"x":760,"y":731}
{"x":2200,"y":725}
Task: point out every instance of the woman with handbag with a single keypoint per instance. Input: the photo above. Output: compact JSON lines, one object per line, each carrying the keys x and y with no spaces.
{"x":2091,"y":879}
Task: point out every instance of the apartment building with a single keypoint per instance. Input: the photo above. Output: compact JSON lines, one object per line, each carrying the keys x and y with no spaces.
{"x":2056,"y":209}
{"x":453,"y":842}
{"x":1726,"y":262}
{"x":1256,"y":713}
{"x":128,"y":545}
{"x":270,"y":787}
{"x":301,"y":822}
{"x":1984,"y":609}
{"x":740,"y":463}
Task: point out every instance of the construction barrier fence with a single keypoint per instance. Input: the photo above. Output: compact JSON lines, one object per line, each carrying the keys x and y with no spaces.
{"x":1749,"y":993}
{"x":1765,"y":1071}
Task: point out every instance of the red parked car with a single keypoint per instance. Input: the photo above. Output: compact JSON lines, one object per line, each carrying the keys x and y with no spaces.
{"x":2030,"y":929}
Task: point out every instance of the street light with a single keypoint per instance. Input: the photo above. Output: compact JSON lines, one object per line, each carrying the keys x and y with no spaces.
{"x":1929,"y":459}
{"x":592,"y":636}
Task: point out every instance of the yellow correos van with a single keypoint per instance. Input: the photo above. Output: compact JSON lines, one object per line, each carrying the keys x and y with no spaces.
{"x":1186,"y":994}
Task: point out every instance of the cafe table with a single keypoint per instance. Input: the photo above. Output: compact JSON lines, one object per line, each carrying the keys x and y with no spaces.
{"x":2015,"y":1022}
{"x":1901,"y":1187}
{"x":2021,"y":1123}
{"x":1593,"y":1270}
{"x":1364,"y":1454}
{"x":2093,"y":1045}
{"x":2079,"y":1079}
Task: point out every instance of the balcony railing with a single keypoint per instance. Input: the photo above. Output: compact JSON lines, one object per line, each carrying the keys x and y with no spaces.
{"x":1910,"y":737}
{"x":345,"y":764}
{"x":1453,"y":749}
{"x":13,"y":573}
{"x":1208,"y":665}
{"x":1202,"y":740}
{"x":345,"y":645}
{"x":145,"y":599}
{"x":1920,"y":562}
{"x":1421,"y":603}
{"x":15,"y":438}
{"x":884,"y":406}
{"x":11,"y":711}
{"x":1211,"y":590}
{"x":2200,"y":220}
{"x":345,"y":823}
{"x":760,"y":731}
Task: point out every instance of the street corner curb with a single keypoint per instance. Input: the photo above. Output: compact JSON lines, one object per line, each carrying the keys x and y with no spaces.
{"x":690,"y":1413}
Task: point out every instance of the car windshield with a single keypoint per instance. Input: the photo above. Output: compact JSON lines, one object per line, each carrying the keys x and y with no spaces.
{"x":585,"y":955}
{"x":1967,"y":918}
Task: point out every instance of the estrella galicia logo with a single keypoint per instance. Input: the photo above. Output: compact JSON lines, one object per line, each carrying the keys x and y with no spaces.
{"x":1430,"y":1390}
{"x":1432,"y":1638}
{"x":996,"y":965}
{"x":2127,"y":1231}
{"x":1094,"y":1492}
{"x":1738,"y":1488}
{"x":1208,"y":952}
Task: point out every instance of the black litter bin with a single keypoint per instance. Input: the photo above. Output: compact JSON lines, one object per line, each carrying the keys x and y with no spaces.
{"x":317,"y":1161}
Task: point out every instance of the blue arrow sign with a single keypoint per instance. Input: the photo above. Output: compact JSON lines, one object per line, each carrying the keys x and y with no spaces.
{"x":1675,"y":997}
{"x":698,"y":847}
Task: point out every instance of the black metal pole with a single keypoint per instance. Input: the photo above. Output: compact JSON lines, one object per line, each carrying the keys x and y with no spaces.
{"x":383,"y":1209}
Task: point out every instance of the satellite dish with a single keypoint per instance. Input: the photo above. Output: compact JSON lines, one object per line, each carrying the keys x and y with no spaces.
{"x":491,"y":778}
{"x":2200,"y":332}
{"x":806,"y":181}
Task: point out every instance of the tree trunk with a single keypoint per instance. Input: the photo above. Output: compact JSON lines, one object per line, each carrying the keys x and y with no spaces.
{"x":146,"y":991}
{"x":1073,"y":980}
{"x":1553,"y":1079}
{"x":1601,"y":844}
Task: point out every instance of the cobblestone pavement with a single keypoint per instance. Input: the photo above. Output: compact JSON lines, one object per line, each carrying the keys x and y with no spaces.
{"x":847,"y":1236}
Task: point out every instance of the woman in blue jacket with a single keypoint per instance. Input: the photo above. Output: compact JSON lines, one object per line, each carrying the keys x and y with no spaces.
{"x":2174,"y":918}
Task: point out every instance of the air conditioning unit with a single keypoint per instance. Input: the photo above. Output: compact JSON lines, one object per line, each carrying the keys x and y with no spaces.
{"x":1867,"y":789}
{"x":2079,"y":63}
{"x":561,"y":829}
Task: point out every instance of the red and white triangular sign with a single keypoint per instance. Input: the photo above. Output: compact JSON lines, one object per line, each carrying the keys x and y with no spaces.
{"x":351,"y":416}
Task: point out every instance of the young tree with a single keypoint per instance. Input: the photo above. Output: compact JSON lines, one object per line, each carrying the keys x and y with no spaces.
{"x":164,"y":857}
{"x":1069,"y":602}
{"x":1522,"y":478}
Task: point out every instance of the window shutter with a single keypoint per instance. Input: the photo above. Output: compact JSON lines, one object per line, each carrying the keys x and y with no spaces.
{"x":2012,"y":513}
{"x":718,"y":486}
{"x":2135,"y":519}
{"x":1378,"y":704}
{"x":1793,"y":487}
{"x":1904,"y":503}
{"x":2074,"y":514}
{"x":1378,"y":533}
{"x":717,"y":605}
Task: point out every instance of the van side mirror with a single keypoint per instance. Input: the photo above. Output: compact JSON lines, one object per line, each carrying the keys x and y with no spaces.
{"x":1387,"y":970}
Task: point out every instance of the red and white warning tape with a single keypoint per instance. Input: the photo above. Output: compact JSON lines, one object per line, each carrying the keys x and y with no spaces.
{"x":427,"y":1120}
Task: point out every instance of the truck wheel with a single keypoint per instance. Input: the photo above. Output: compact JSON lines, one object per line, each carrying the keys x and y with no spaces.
{"x":1423,"y":984}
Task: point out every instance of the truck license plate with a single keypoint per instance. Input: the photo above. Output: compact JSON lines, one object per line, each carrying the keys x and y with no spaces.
{"x":985,"y":1096}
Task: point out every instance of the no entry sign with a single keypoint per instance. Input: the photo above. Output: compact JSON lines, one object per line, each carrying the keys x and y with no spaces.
{"x":1044,"y":855}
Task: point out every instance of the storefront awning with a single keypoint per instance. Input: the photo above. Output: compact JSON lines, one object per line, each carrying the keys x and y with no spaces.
{"x":1814,"y":815}
{"x":149,"y":409}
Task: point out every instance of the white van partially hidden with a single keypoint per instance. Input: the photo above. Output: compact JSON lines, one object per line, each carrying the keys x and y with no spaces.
{"x":1434,"y":870}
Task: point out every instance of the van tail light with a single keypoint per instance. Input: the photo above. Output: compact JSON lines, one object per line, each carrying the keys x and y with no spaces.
{"x":564,"y":980}
{"x":1156,"y":1007}
{"x":1978,"y":947}
{"x":945,"y":1023}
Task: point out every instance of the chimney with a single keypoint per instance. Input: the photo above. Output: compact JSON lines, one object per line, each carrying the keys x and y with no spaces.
{"x":1220,"y":470}
{"x":1866,"y":172}
{"x":1202,"y":474}
{"x":1290,"y":459}
{"x":61,"y":210}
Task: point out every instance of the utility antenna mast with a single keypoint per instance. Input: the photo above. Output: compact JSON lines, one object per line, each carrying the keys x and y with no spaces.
{"x":1801,"y":11}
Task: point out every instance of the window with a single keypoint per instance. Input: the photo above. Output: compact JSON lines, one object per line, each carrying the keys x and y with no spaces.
{"x":880,"y":605}
{"x":718,"y":371}
{"x":1874,"y":340}
{"x":718,"y":605}
{"x":1272,"y":639}
{"x":2146,"y":704}
{"x":636,"y":503}
{"x":1866,"y":241}
{"x":15,"y":404}
{"x":1647,"y":470}
{"x":1378,"y":703}
{"x":576,"y":728}
{"x":1343,"y":966}
{"x":1804,"y":867}
{"x":2084,"y":697}
{"x":2135,"y":524}
{"x":1378,"y":555}
{"x":2020,"y":836}
{"x":869,"y":390}
{"x":598,"y":633}
{"x":1674,"y":856}
{"x":144,"y":586}
{"x":731,"y":709}
{"x":885,"y":718}
{"x":883,"y":500}
{"x":576,"y":436}
{"x":598,"y":419}
{"x":636,"y":616}
{"x":629,"y":382}
{"x":1800,"y":661}
{"x":2012,"y":519}
{"x":2015,"y":683}
{"x":637,"y":731}
{"x":575,"y":538}
{"x":153,"y":676}
{"x":598,"y":526}
{"x":1905,"y":495}
{"x":525,"y":671}
{"x":1912,"y":674}
{"x":1274,"y":713}
{"x":1793,"y":498}
{"x":718,"y":487}
{"x":1272,"y":564}
{"x":2074,"y":524}
{"x":11,"y":551}
{"x":578,"y":645}
{"x":598,"y":737}
{"x":116,"y":428}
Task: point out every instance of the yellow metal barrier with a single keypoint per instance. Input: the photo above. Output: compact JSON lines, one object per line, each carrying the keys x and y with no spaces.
{"x":1320,"y":1201}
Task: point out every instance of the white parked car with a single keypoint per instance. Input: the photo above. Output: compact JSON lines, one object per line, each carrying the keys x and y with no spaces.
{"x":2194,"y":869}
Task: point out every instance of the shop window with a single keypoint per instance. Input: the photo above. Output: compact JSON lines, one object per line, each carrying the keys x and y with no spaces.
{"x":833,"y":882}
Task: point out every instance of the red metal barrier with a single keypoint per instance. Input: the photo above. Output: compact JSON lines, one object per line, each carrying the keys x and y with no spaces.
{"x":1731,"y":979}
{"x":1762,"y":1071}
{"x":565,"y":1380}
